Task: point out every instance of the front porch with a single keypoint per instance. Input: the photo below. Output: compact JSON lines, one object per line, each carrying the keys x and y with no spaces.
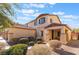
{"x":56,"y":33}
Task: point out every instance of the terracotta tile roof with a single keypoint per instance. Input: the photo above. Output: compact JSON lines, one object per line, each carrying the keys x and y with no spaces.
{"x":21,"y":26}
{"x":57,"y":24}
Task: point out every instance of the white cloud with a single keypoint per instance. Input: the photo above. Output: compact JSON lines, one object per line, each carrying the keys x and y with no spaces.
{"x":70,"y":16}
{"x":26,"y":11}
{"x":52,"y":3}
{"x":66,"y":16}
{"x":58,"y":13}
{"x":17,"y":10}
{"x":23,"y":18}
{"x":36,"y":14}
{"x":37,"y":10}
{"x":29,"y":11}
{"x":37,"y":5}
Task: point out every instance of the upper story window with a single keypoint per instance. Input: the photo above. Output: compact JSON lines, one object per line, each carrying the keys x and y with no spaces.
{"x":42,"y":20}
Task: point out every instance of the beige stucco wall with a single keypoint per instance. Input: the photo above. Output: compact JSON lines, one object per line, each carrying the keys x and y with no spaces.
{"x":74,"y":36}
{"x":47,"y":21}
{"x":54,"y":18}
{"x":20,"y":32}
{"x":40,"y":27}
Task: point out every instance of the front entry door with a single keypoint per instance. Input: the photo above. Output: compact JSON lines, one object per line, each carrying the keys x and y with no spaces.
{"x":52,"y":34}
{"x":56,"y":34}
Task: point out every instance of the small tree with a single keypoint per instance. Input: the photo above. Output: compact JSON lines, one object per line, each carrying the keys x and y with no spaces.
{"x":18,"y":49}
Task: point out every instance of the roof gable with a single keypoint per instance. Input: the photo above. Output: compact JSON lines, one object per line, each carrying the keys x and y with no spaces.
{"x":44,"y":15}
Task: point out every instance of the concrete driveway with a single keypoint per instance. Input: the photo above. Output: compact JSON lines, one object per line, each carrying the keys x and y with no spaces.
{"x":71,"y":48}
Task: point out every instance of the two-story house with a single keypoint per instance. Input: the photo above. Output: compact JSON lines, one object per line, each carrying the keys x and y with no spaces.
{"x":49,"y":27}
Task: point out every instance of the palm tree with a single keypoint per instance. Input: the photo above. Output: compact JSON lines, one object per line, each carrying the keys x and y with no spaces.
{"x":6,"y":10}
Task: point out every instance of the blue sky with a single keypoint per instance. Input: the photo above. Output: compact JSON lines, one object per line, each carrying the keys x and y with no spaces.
{"x":67,"y":12}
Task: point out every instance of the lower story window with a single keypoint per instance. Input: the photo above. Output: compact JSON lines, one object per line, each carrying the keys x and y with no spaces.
{"x":41,"y":33}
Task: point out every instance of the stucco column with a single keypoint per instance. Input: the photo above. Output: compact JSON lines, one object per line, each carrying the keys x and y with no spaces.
{"x":63,"y":36}
{"x":45,"y":37}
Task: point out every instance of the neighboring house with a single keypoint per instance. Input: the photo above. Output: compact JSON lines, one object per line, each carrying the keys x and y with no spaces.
{"x":75,"y":35}
{"x":17,"y":31}
{"x":49,"y":27}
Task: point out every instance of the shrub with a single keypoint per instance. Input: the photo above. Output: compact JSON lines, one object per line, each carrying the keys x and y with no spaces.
{"x":31,"y":39}
{"x":39,"y":40}
{"x":24,"y":41}
{"x":39,"y":49}
{"x":31,"y":43}
{"x":15,"y":40}
{"x":54,"y":44}
{"x":18,"y":49}
{"x":27,"y":40}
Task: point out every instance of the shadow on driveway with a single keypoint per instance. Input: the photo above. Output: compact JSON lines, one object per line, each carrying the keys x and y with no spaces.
{"x":62,"y":52}
{"x":74,"y":43}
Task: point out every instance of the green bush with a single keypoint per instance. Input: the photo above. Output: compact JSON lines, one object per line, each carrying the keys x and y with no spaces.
{"x":18,"y":49}
{"x":39,"y":40}
{"x":31,"y":43}
{"x":24,"y":41}
{"x":14,"y":40}
{"x":31,"y":39}
{"x":28,"y":41}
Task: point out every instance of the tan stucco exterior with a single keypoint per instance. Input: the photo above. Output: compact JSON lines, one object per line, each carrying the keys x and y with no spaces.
{"x":65,"y":31}
{"x":75,"y":35}
{"x":51,"y":29}
{"x":16,"y":32}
